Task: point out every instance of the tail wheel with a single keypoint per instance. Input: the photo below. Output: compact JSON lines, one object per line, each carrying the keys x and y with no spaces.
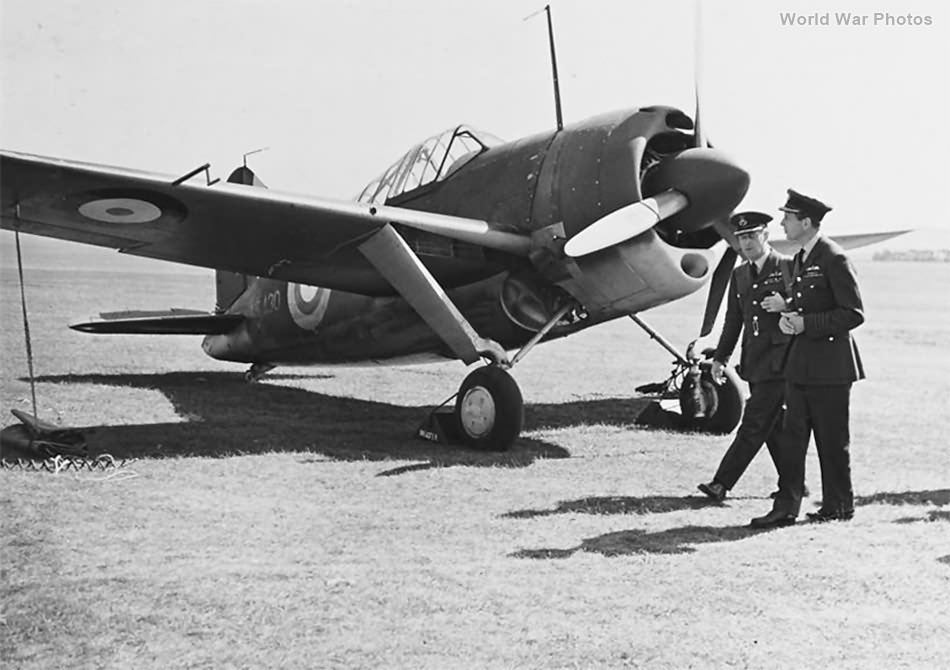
{"x":723,"y":404}
{"x":256,"y":371}
{"x":490,"y":409}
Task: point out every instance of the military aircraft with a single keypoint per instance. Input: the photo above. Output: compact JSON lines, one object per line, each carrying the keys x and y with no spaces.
{"x":465,"y":248}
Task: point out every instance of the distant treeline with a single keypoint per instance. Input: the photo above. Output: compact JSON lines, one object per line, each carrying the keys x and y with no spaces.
{"x":929,"y":255}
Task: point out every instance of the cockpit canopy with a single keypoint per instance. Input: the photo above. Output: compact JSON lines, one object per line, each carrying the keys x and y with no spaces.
{"x":432,"y":160}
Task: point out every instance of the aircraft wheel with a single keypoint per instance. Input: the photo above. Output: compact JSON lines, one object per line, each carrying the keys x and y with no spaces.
{"x":723,"y":404}
{"x":489,"y":409}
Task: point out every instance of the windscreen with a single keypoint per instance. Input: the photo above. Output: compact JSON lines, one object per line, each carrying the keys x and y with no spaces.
{"x":432,"y":160}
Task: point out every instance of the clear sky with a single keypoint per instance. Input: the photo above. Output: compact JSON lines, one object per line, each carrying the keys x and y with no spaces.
{"x":856,"y":115}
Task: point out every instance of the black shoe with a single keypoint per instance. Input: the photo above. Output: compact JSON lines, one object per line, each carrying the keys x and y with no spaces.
{"x":714,"y":491}
{"x":823,"y":515}
{"x":805,"y":493}
{"x":774,"y":519}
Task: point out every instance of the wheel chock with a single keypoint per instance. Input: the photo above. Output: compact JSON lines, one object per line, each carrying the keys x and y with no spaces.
{"x":441,"y":426}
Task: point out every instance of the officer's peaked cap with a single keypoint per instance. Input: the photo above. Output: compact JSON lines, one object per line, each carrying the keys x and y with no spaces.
{"x":749,"y":222}
{"x":803,"y":205}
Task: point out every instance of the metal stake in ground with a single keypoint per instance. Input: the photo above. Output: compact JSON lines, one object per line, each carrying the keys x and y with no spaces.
{"x":26,"y":324}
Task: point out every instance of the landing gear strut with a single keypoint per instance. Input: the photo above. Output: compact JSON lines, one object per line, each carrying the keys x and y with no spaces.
{"x":489,"y":407}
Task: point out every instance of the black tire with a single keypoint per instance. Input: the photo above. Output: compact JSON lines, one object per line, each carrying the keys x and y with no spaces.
{"x":724,"y":403}
{"x":489,"y":409}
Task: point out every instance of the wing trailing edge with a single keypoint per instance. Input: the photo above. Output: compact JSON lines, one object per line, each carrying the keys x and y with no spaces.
{"x":171,"y":322}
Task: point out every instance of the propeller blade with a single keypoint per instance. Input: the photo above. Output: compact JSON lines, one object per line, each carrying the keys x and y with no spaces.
{"x":717,"y":289}
{"x":701,"y":140}
{"x":625,"y":223}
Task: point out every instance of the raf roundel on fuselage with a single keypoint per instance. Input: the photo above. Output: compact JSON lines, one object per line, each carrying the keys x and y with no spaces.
{"x":307,"y":304}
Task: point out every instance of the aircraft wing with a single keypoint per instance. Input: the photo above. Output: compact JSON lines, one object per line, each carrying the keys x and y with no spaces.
{"x":846,"y":241}
{"x":233,"y":227}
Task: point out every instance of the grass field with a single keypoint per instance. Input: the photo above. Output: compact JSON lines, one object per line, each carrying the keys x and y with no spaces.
{"x":296,"y":524}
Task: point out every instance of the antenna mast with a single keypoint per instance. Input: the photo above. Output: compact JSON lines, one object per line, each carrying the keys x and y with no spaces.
{"x":557,"y":90}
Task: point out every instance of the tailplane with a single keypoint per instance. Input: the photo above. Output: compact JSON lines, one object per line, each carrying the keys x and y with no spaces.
{"x":166,"y":322}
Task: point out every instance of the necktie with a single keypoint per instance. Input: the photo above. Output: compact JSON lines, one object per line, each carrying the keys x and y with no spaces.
{"x":799,"y":261}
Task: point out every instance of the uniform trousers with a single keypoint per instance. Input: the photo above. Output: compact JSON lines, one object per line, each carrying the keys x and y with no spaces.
{"x":761,"y":422}
{"x":824,"y":411}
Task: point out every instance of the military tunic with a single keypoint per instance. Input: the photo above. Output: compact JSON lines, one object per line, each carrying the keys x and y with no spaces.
{"x":761,"y":361}
{"x":822,"y":363}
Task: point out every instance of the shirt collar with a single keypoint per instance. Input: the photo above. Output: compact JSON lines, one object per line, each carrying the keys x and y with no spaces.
{"x":759,"y":264}
{"x":809,"y":245}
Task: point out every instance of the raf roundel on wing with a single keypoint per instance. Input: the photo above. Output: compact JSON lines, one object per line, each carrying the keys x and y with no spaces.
{"x":120,"y":210}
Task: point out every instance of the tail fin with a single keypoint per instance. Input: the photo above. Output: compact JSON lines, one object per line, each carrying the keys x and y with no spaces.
{"x":245,"y":175}
{"x":230,"y":285}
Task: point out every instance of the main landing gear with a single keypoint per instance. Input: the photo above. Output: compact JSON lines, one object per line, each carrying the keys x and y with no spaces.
{"x":704,"y":405}
{"x":488,"y":412}
{"x":489,"y":409}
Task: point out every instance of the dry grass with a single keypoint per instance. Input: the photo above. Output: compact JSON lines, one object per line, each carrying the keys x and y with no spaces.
{"x":296,"y":525}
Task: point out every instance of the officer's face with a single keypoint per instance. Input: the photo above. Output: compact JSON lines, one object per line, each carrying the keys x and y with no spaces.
{"x":794,"y":227}
{"x":752,"y":245}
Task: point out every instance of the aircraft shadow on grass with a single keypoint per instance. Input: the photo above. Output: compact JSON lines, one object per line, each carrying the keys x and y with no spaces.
{"x":225,"y":416}
{"x":683,"y":540}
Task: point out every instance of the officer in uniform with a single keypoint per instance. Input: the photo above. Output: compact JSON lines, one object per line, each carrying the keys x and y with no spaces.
{"x":822,"y":363}
{"x":756,"y":297}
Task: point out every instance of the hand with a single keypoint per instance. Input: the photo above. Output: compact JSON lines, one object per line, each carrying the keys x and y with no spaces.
{"x":791,"y":323}
{"x":774,"y":303}
{"x":716,"y":371}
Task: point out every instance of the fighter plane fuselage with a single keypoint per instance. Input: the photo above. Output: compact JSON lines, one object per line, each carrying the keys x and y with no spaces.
{"x":549,"y":186}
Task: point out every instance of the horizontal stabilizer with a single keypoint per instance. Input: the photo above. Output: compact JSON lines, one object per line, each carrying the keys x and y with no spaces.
{"x":170,"y":322}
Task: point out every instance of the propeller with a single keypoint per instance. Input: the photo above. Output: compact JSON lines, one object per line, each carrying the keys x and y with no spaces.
{"x":701,"y":140}
{"x":720,"y":279}
{"x":694,"y":187}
